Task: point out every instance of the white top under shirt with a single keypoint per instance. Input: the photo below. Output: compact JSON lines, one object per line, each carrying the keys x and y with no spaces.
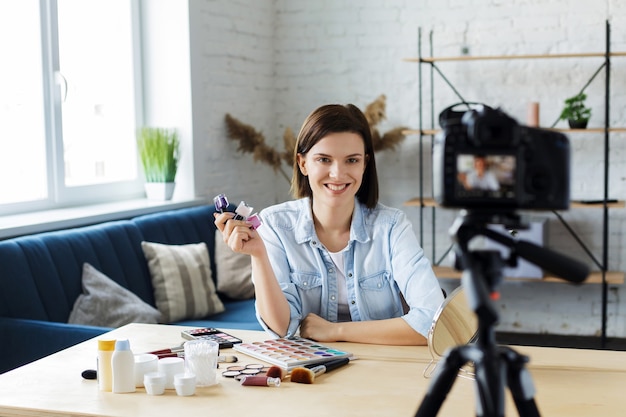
{"x":343,"y":311}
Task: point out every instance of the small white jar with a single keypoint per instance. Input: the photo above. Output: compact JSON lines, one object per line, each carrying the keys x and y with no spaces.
{"x":154,"y":382}
{"x":144,"y":363}
{"x":171,"y":367}
{"x":185,"y":384}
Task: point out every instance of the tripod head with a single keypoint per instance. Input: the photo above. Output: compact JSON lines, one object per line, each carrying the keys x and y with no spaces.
{"x":474,"y":223}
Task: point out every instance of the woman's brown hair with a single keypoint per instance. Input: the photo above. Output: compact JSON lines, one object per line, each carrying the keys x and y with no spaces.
{"x":336,"y":118}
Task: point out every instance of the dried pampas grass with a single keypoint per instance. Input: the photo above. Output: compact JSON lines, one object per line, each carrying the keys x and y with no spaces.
{"x":252,"y":141}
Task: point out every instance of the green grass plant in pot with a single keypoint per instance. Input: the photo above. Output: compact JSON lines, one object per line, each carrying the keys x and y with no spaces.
{"x":159,"y":150}
{"x":575,"y":111}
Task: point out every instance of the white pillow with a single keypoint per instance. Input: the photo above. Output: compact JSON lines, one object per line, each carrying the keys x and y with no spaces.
{"x":234,"y":273}
{"x":108,"y":304}
{"x":182,"y":281}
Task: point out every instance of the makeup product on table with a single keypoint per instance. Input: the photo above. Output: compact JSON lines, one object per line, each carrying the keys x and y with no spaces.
{"x":259,"y":381}
{"x":104,"y":372}
{"x":185,"y":384}
{"x":154,"y":383}
{"x":237,"y":371}
{"x":168,"y":353}
{"x":289,"y":353}
{"x":89,"y":374}
{"x":201,"y":360}
{"x":276,"y":371}
{"x":329,"y":365}
{"x":170,"y":367}
{"x":179,"y":352}
{"x":224,"y":340}
{"x":307,"y":374}
{"x":123,"y":367}
{"x":144,"y":363}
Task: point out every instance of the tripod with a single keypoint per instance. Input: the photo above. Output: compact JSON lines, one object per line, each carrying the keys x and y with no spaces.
{"x":482,"y":274}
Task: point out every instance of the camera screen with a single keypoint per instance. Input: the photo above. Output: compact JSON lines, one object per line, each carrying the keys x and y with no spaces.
{"x":485,"y":176}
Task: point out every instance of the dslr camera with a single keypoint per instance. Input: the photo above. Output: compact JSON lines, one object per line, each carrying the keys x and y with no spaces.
{"x":483,"y":159}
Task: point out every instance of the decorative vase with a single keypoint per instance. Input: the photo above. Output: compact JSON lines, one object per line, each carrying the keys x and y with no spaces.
{"x":532,"y":114}
{"x":577,"y":124}
{"x":160,"y":191}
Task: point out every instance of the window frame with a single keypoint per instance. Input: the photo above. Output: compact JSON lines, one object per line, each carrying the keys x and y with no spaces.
{"x":59,"y":195}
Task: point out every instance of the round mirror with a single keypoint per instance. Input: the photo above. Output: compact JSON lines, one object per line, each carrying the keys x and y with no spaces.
{"x":454,"y":324}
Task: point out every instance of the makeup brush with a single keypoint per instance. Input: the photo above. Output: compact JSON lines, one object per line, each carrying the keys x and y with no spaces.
{"x":307,"y":375}
{"x":167,"y":353}
{"x":276,"y":372}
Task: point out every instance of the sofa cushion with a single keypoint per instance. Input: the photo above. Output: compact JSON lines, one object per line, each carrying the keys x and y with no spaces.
{"x":108,"y":304}
{"x":182,"y":281}
{"x":180,"y":227}
{"x":234,"y":273}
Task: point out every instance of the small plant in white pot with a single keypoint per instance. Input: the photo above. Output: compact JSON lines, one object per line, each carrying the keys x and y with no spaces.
{"x":159,"y":151}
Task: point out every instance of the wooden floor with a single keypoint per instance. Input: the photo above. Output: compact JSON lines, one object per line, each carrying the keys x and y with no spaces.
{"x":581,"y":342}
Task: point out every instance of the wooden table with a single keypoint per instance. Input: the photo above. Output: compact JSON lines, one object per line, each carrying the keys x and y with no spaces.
{"x":383,"y":381}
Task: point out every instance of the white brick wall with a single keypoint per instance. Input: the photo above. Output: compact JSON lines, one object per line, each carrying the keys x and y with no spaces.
{"x":232,"y":55}
{"x":270,"y":62}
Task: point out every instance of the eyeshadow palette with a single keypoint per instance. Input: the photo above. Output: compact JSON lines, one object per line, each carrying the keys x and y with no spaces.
{"x":225,"y":340}
{"x":289,"y":353}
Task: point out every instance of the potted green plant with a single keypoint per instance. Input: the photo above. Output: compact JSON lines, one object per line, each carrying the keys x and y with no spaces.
{"x":159,"y":151}
{"x":575,"y":111}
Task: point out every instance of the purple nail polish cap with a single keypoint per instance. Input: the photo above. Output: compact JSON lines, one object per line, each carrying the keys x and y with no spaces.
{"x":221,"y":202}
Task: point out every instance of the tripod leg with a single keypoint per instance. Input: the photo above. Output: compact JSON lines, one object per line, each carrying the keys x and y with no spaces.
{"x":520,"y":383}
{"x":442,"y":382}
{"x":489,"y":376}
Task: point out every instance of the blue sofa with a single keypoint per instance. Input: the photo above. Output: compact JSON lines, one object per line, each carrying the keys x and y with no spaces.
{"x":40,"y":278}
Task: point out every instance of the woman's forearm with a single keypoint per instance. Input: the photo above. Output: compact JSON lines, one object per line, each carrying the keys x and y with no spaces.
{"x":271,"y":302}
{"x":394,"y":331}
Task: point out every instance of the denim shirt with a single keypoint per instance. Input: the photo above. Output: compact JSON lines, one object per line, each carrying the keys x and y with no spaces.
{"x":383,"y":259}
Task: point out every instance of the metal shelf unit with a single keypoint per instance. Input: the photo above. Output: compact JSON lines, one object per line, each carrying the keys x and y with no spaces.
{"x":603,"y":276}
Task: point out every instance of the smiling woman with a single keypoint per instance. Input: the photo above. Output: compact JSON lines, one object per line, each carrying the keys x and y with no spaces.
{"x":335,"y":263}
{"x":334,"y":170}
{"x":70,"y":107}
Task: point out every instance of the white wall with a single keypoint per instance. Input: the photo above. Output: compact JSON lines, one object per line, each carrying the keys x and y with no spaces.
{"x":167,"y":86}
{"x":232,"y":45}
{"x":270,"y":62}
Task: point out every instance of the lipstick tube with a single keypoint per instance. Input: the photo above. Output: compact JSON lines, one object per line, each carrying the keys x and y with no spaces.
{"x":259,"y":381}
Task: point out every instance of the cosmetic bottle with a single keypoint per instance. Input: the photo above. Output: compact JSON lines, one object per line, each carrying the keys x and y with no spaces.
{"x":104,"y":372}
{"x":123,"y":366}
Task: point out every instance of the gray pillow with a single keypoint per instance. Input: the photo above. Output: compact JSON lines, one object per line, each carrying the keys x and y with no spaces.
{"x":105,"y":303}
{"x":182,"y":281}
{"x":234,"y":273}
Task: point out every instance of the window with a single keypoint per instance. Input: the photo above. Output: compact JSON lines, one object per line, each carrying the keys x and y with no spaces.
{"x":69,"y":103}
